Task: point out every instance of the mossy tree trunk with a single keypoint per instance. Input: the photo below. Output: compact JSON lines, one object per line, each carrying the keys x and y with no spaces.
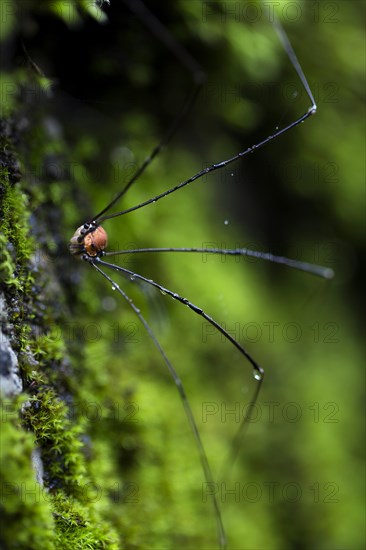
{"x":45,"y":472}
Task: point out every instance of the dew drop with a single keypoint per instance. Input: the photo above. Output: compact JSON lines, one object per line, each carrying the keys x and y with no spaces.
{"x":113,"y":287}
{"x":328,"y":273}
{"x":109,"y":303}
{"x":121,"y":155}
{"x":257,"y":375}
{"x":132,"y":278}
{"x":226,"y":222}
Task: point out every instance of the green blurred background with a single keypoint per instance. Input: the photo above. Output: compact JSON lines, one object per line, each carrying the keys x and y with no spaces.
{"x":298,"y":481}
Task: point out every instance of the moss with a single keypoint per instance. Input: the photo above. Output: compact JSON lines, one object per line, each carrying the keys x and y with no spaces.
{"x":26,"y":520}
{"x":15,"y":234}
{"x":57,"y":436}
{"x":67,"y":511}
{"x":77,"y":527}
{"x":7,"y":267}
{"x":15,"y":220}
{"x":33,"y":516}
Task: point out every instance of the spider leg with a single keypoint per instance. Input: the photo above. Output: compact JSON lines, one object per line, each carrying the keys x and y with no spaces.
{"x":313,"y":269}
{"x":198,"y":75}
{"x":257,"y":370}
{"x":178,"y":383}
{"x":218,"y":166}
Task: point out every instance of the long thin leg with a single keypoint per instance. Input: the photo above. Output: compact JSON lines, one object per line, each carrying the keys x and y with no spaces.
{"x":187,"y":408}
{"x":206,"y":170}
{"x":258,"y":371}
{"x":313,"y":269}
{"x":198,"y":75}
{"x":312,"y":110}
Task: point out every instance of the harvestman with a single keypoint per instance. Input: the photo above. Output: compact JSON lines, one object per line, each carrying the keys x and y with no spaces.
{"x":90,"y":240}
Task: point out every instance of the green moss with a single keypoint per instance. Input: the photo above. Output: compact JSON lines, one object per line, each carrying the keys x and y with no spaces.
{"x":73,"y":497}
{"x":26,"y":520}
{"x":14,"y":230}
{"x":49,"y":345}
{"x":15,"y":225}
{"x":7,"y":267}
{"x":66,"y":512}
{"x":77,"y":527}
{"x":59,"y":439}
{"x":34,"y":516}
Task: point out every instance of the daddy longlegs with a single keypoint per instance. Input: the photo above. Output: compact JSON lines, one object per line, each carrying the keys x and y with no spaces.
{"x":90,"y":242}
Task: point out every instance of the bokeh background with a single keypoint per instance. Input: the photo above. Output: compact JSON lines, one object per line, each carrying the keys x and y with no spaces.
{"x":298,"y":481}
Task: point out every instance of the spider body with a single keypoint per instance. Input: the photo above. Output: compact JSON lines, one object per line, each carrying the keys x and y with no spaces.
{"x":90,"y":239}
